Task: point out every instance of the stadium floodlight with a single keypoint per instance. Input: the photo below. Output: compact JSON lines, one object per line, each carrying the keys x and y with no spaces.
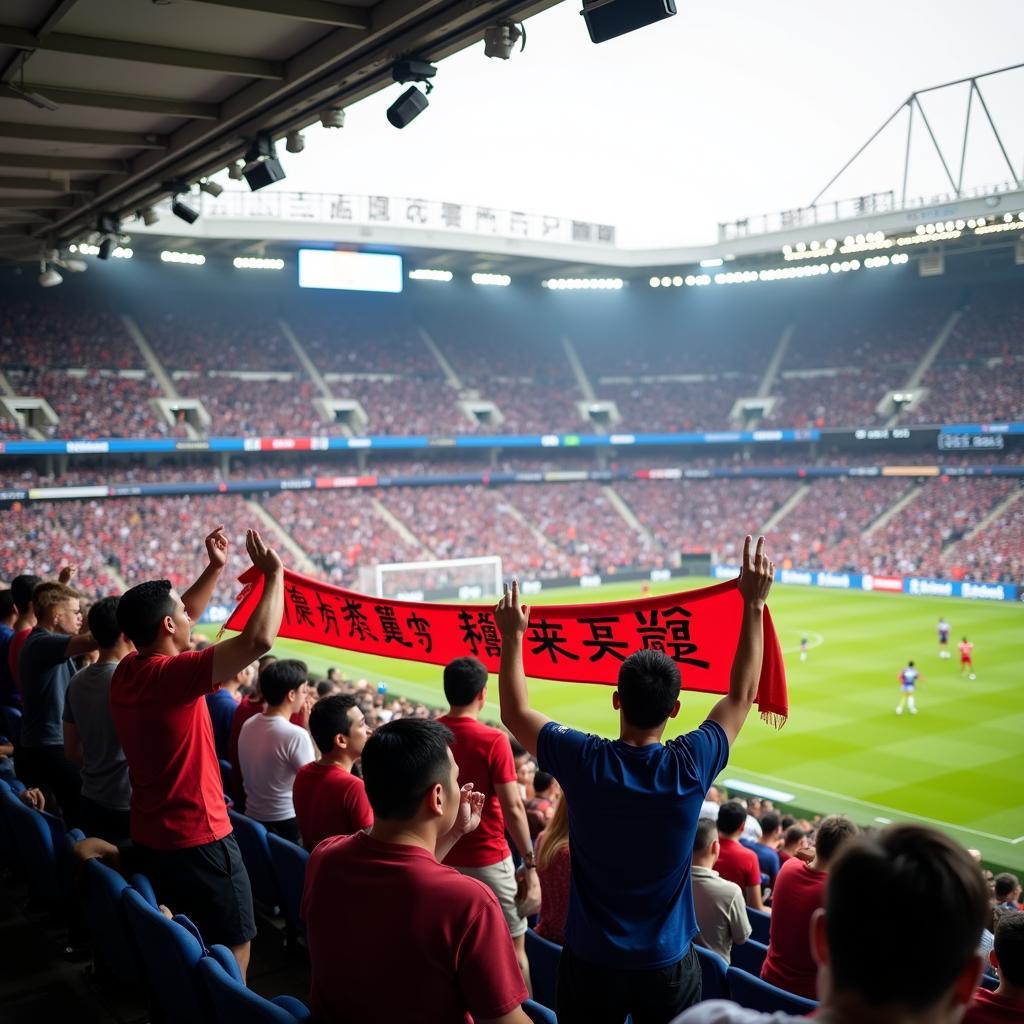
{"x":427,"y":274}
{"x":607,"y":19}
{"x":184,"y":211}
{"x":494,"y":280}
{"x":330,"y":117}
{"x":122,"y":252}
{"x":211,"y":188}
{"x":48,"y":276}
{"x":106,"y":249}
{"x":148,"y":216}
{"x":407,"y":107}
{"x":257,"y":263}
{"x":600,"y":284}
{"x":500,"y":39}
{"x":76,"y":266}
{"x":655,"y":282}
{"x":715,"y":262}
{"x":235,"y":170}
{"x":192,"y":259}
{"x":295,"y":142}
{"x":262,"y":166}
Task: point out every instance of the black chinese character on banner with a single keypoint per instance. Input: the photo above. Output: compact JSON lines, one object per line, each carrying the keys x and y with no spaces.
{"x":299,"y":604}
{"x":379,"y":208}
{"x":416,"y":211}
{"x":671,"y":635}
{"x":603,"y":638}
{"x":471,"y":636}
{"x":391,"y":628}
{"x":328,"y":616}
{"x":451,"y":215}
{"x":548,"y":638}
{"x":421,"y":632}
{"x":489,"y":632}
{"x":358,"y":624}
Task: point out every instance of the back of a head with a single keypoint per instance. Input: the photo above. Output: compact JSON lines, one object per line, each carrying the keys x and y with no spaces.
{"x":7,"y":607}
{"x":280,"y":678}
{"x":401,"y":762}
{"x":1005,"y":886}
{"x":103,"y":622}
{"x":732,"y":816}
{"x":794,"y":834}
{"x":706,"y":834}
{"x":325,"y":688}
{"x":904,"y":912}
{"x":770,"y":822}
{"x":21,"y":591}
{"x":1009,"y":947}
{"x":542,"y":782}
{"x":328,"y":718}
{"x":648,"y":688}
{"x":141,"y":610}
{"x":832,"y":833}
{"x":464,"y":678}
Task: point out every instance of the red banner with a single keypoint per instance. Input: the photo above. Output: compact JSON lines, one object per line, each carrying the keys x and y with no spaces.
{"x":583,"y":643}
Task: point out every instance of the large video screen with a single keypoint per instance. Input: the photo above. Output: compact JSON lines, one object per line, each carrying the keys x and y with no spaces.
{"x":350,"y":271}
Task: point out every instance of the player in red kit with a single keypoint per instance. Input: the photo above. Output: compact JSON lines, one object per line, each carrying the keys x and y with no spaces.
{"x":966,"y":664}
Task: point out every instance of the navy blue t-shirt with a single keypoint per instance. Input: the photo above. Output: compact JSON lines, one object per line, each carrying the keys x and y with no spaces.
{"x":222,"y":708}
{"x":632,"y":818}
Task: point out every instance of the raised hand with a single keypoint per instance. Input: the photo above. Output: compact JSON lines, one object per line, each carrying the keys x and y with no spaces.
{"x":217,"y":547}
{"x":265,"y":559}
{"x":510,"y":616}
{"x":67,"y":574}
{"x":471,"y":805}
{"x":757,"y":574}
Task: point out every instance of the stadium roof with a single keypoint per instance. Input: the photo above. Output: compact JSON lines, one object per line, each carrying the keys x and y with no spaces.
{"x":103,"y":102}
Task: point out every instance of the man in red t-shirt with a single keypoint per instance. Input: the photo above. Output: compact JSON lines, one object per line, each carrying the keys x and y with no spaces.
{"x":1006,"y":1004}
{"x":329,"y":800}
{"x":179,"y":821}
{"x":484,"y":757}
{"x":799,"y":892}
{"x":735,"y":862}
{"x":446,"y":931}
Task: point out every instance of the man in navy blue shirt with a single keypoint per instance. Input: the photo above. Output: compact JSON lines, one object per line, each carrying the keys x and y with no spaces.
{"x":633,"y":809}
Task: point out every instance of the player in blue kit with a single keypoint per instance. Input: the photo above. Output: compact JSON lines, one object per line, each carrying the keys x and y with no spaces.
{"x":943,"y":630}
{"x":908,"y":680}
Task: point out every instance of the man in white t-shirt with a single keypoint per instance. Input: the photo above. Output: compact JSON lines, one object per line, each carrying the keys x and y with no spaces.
{"x":272,"y":749}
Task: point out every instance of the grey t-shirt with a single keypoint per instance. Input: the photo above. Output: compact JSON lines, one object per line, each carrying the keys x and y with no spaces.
{"x":104,"y":768}
{"x":44,"y":671}
{"x":718,"y":1011}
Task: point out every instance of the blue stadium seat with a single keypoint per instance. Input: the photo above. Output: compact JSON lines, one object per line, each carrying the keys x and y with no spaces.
{"x":713,"y":970}
{"x":989,"y":982}
{"x":755,"y":994}
{"x":749,"y":956}
{"x":760,"y":924}
{"x":10,"y":724}
{"x":169,"y":953}
{"x":37,"y":838}
{"x":233,"y":1003}
{"x":543,"y":956}
{"x":252,"y":842}
{"x":289,"y":862}
{"x":539,"y":1014}
{"x":114,"y":943}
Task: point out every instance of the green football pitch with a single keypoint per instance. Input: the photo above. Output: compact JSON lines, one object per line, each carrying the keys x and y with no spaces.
{"x":957,"y":764}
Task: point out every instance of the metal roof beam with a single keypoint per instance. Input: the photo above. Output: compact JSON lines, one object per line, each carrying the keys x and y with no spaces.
{"x":43,"y":185}
{"x":117,"y":101}
{"x":62,"y":163}
{"x":35,"y":202}
{"x":86,"y":136}
{"x":335,"y":15}
{"x":142,"y":53}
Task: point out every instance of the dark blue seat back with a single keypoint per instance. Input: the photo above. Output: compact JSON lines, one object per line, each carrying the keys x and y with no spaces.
{"x":760,"y":924}
{"x":289,"y":863}
{"x":37,"y":838}
{"x":113,"y":941}
{"x":10,"y":724}
{"x":749,"y":956}
{"x":543,"y":956}
{"x":713,"y":970}
{"x":252,"y":842}
{"x":752,"y":992}
{"x":233,"y":1003}
{"x":539,"y":1014}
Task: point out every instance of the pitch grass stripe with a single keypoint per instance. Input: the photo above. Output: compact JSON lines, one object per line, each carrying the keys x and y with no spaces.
{"x":877,"y":807}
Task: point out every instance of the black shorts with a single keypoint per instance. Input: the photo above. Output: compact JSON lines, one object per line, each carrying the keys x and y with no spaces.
{"x":208,"y":884}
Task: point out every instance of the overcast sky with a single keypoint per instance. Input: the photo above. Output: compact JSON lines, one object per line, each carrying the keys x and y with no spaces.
{"x":726,"y":110}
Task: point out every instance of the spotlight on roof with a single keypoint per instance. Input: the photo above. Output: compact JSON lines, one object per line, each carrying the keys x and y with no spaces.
{"x":607,"y":19}
{"x":262,"y":167}
{"x":295,"y":142}
{"x":500,"y":39}
{"x":211,"y":188}
{"x":107,"y":247}
{"x":48,"y":276}
{"x":184,"y":211}
{"x":148,"y":216}
{"x":235,"y":170}
{"x":76,"y":266}
{"x":333,"y":117}
{"x":412,"y":102}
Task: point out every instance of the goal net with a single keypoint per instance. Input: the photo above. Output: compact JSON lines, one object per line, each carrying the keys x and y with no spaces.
{"x":467,"y":579}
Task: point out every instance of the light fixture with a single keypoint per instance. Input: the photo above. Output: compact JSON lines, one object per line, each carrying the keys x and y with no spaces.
{"x":500,"y":39}
{"x":331,"y":117}
{"x":607,"y":19}
{"x":148,"y":216}
{"x":184,"y":211}
{"x":48,"y":276}
{"x":712,"y":262}
{"x":262,"y":166}
{"x":495,"y":280}
{"x":211,"y":188}
{"x":295,"y":142}
{"x":194,"y":259}
{"x":107,"y":247}
{"x":412,"y":102}
{"x":76,"y":266}
{"x":235,"y":170}
{"x":257,"y":263}
{"x":600,"y":284}
{"x":426,"y":274}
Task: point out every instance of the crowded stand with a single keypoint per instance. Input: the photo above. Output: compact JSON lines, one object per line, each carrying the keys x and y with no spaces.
{"x":995,"y":553}
{"x":653,"y":405}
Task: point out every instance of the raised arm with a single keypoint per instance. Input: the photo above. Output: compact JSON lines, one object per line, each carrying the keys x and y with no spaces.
{"x":520,"y":719}
{"x":256,"y":639}
{"x":756,"y":576}
{"x":197,"y":597}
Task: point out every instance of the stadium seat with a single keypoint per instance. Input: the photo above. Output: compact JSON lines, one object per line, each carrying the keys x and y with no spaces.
{"x":539,"y":1014}
{"x":114,"y":943}
{"x":233,"y":1003}
{"x":713,"y":970}
{"x":289,"y":864}
{"x":10,"y":724}
{"x":37,"y":839}
{"x":252,"y":842}
{"x":760,"y":924}
{"x":989,"y":982}
{"x":749,"y":956}
{"x":750,"y":991}
{"x":543,"y":956}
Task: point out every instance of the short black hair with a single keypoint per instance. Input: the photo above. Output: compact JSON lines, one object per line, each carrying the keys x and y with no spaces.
{"x":330,"y":717}
{"x":464,"y":678}
{"x":832,"y":832}
{"x":324,"y":688}
{"x":1009,"y":947}
{"x":518,"y":750}
{"x":706,"y":834}
{"x":794,"y":834}
{"x":731,"y":817}
{"x":280,"y":678}
{"x":21,"y":591}
{"x":1005,"y":884}
{"x":649,"y":686}
{"x":142,"y":608}
{"x":904,"y":873}
{"x":7,"y":604}
{"x":542,"y":782}
{"x":401,"y":762}
{"x":770,"y":821}
{"x":103,"y":624}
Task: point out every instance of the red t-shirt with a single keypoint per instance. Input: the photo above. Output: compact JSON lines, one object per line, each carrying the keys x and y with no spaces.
{"x":798,"y":893}
{"x":161,"y":719}
{"x":246,"y":710}
{"x":990,"y":1008}
{"x":965,"y":650}
{"x":329,"y":801}
{"x":446,"y":931}
{"x":484,"y":757}
{"x":738,"y":864}
{"x":14,"y":652}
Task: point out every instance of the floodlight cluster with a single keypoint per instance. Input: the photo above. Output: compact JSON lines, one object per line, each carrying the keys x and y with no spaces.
{"x":428,"y":274}
{"x":809,"y":250}
{"x":119,"y":252}
{"x":585,"y":283}
{"x":256,"y":263}
{"x":1008,"y":223}
{"x":195,"y":259}
{"x":939,"y":234}
{"x":895,"y":260}
{"x":494,"y":280}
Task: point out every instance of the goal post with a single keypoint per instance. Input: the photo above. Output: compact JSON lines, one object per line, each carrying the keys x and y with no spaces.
{"x":467,"y":579}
